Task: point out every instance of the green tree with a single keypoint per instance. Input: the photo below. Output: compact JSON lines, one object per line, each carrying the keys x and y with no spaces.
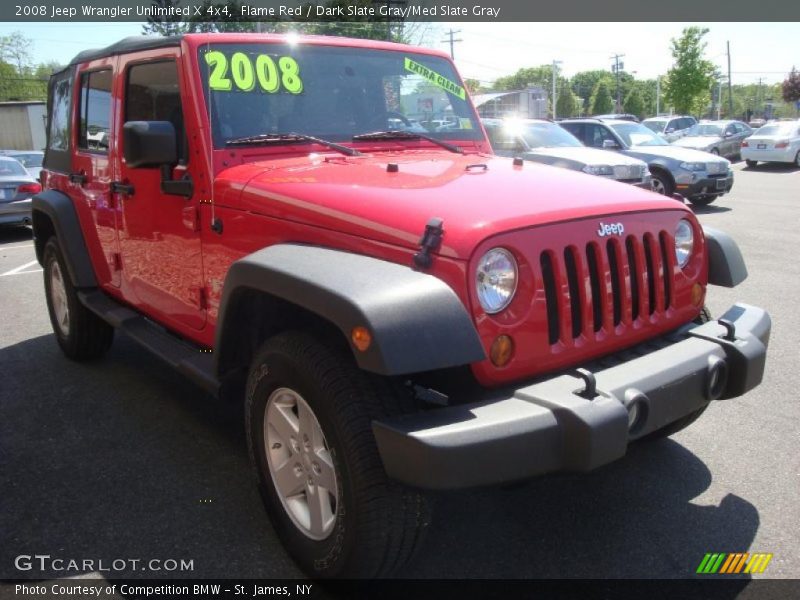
{"x":473,"y":86}
{"x":634,"y":104}
{"x":601,"y":99}
{"x":790,"y":88}
{"x":584,"y":83}
{"x":541,"y":76}
{"x":15,"y":50}
{"x":567,"y":102}
{"x":688,"y":82}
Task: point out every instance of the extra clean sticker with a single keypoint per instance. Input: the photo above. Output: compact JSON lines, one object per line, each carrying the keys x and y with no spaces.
{"x":435,"y":78}
{"x":242,"y":73}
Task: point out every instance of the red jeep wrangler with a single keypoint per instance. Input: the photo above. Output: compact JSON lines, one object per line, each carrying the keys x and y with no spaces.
{"x":398,"y":309}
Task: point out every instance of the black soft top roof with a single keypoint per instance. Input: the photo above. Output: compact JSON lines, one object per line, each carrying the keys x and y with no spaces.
{"x":129,"y":44}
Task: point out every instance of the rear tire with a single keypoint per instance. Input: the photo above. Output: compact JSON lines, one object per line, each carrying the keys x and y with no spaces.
{"x":368,"y":526}
{"x":752,"y":164}
{"x":684,"y":422}
{"x":81,"y":334}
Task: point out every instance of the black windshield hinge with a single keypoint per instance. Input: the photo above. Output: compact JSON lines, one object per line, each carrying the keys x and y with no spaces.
{"x":429,"y":241}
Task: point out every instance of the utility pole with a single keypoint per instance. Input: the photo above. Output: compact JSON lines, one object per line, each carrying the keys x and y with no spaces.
{"x":658,"y":94}
{"x":555,"y":78}
{"x":616,"y":68}
{"x":730,"y":90}
{"x":451,"y":39}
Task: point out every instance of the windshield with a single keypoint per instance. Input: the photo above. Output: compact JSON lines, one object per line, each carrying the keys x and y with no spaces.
{"x":10,"y":166}
{"x":547,"y":135}
{"x":772,"y":129}
{"x":30,"y":160}
{"x":656,"y":126}
{"x":519,"y":136}
{"x":706,"y":129}
{"x":331,"y":92}
{"x":635,"y":134}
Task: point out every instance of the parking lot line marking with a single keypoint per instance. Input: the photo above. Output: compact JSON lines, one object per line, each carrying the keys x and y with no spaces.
{"x":15,"y":247}
{"x":21,"y":270}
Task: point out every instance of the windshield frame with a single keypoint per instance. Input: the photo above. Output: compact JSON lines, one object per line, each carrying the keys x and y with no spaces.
{"x":461,"y":112}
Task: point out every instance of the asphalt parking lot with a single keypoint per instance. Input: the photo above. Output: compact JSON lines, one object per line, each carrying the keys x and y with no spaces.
{"x":125,"y":459}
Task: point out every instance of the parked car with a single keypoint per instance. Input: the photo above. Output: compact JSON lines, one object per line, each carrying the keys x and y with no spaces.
{"x":547,"y":143}
{"x":670,"y":128}
{"x":756,"y":123}
{"x":17,"y":187}
{"x":30,"y":159}
{"x":394,"y":311}
{"x":723,"y":138}
{"x":619,"y":117}
{"x":700,"y":177}
{"x":774,"y":142}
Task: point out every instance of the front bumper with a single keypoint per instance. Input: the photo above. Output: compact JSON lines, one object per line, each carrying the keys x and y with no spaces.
{"x":549,"y":426}
{"x":706,"y":186}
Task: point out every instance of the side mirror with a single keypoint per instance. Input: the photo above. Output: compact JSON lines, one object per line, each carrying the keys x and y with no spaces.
{"x":149,"y":144}
{"x":610,"y":145}
{"x":153,"y":144}
{"x":669,"y":130}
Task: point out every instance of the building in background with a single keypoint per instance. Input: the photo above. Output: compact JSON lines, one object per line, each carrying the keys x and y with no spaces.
{"x":22,"y":125}
{"x":530,"y":103}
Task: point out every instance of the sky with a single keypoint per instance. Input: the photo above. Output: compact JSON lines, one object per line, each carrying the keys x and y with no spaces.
{"x":491,"y":50}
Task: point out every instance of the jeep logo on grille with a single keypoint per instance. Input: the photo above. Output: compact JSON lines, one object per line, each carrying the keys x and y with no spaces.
{"x":612,"y":229}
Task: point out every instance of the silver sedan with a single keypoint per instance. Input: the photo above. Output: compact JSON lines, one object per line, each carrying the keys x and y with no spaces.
{"x":17,"y":188}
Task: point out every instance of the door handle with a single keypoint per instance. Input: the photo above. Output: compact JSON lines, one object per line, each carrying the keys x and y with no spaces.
{"x":79,"y":178}
{"x":118,"y":187}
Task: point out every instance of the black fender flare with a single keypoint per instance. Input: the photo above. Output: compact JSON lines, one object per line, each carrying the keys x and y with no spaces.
{"x":417,"y":322}
{"x":726,"y":266}
{"x":58,"y":208}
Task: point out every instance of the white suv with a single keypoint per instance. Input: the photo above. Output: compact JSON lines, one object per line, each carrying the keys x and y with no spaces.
{"x":670,"y":128}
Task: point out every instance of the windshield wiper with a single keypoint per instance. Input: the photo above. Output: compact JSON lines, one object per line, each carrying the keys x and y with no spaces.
{"x":406,"y":135}
{"x":283,"y":138}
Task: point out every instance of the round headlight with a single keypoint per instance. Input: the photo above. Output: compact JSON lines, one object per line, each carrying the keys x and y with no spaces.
{"x":684,"y":242}
{"x":496,"y":279}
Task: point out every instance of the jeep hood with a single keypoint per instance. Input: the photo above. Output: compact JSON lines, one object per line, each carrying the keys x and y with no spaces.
{"x":477,"y":196}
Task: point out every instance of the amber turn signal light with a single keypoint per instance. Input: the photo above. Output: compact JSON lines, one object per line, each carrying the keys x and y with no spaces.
{"x":361,"y":338}
{"x":502,"y":350}
{"x":697,"y":294}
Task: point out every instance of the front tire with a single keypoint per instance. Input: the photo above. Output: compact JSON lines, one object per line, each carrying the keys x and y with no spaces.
{"x":702,"y":200}
{"x":662,"y":184}
{"x":309,"y":413}
{"x":81,"y":334}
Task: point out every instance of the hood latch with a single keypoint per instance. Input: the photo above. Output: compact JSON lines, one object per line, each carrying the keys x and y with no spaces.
{"x":429,"y":241}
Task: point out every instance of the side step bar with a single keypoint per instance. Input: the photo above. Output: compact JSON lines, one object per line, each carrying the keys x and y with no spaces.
{"x":179,"y":354}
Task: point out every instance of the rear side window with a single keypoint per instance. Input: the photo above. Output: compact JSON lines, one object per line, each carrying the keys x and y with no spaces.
{"x":95,"y":111}
{"x":152,"y":94}
{"x":59,"y":116}
{"x":59,"y":120}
